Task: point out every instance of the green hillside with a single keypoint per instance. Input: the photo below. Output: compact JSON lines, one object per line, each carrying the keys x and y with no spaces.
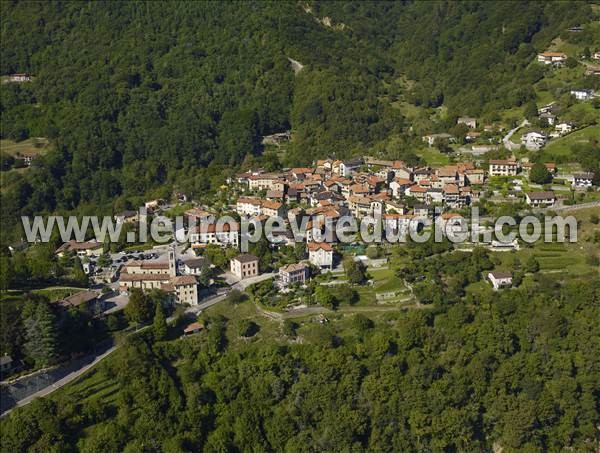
{"x":139,"y":99}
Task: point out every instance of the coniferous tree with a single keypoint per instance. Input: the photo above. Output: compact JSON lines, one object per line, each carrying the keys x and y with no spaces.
{"x":40,"y":332}
{"x":159,"y":326}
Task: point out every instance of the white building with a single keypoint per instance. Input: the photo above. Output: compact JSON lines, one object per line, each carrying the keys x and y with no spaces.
{"x":320,"y":254}
{"x":563,"y":128}
{"x":194,"y":266}
{"x":533,"y":141}
{"x":501,"y":167}
{"x":582,"y":180}
{"x":540,"y":198}
{"x":224,"y":235}
{"x":556,"y":58}
{"x":582,"y":95}
{"x":347,"y":167}
{"x":248,"y":206}
{"x":500,"y":279}
{"x":293,"y":273}
{"x":468,"y":121}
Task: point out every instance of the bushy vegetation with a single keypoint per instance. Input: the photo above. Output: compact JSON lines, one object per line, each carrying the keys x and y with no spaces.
{"x":517,"y":370}
{"x":138,"y":100}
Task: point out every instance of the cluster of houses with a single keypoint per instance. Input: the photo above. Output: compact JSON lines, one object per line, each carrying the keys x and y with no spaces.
{"x":323,"y":193}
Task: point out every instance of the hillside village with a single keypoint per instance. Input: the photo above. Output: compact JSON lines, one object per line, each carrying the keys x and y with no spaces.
{"x":325,"y":192}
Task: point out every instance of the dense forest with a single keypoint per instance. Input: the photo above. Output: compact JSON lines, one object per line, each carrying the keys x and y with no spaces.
{"x":515,"y":369}
{"x":139,"y":98}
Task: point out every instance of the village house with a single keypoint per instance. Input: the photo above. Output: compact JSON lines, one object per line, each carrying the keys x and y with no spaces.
{"x":324,"y":164}
{"x":400,"y":170}
{"x":209,"y":233}
{"x":293,"y":273}
{"x":468,"y":121}
{"x":582,"y":95}
{"x":196,"y":215}
{"x":534,"y":140}
{"x":193,"y":328}
{"x":320,"y":254}
{"x":422,"y":211}
{"x":434,"y":195}
{"x":128,"y":216}
{"x":419,"y":174}
{"x":563,"y":128}
{"x":474,"y":176}
{"x":348,"y":167}
{"x":19,"y":77}
{"x":27,"y":159}
{"x":393,"y":207}
{"x":583,"y":180}
{"x":263,"y":181}
{"x":447,"y":175}
{"x":248,"y":206}
{"x":275,"y":195}
{"x":194,"y":266}
{"x":554,"y":58}
{"x":87,"y":248}
{"x":399,"y":186}
{"x":500,"y":279}
{"x":499,"y":167}
{"x":537,"y":199}
{"x":417,"y":191}
{"x":451,"y":195}
{"x":272,"y":208}
{"x":431,"y":139}
{"x":244,"y":266}
{"x":89,"y":301}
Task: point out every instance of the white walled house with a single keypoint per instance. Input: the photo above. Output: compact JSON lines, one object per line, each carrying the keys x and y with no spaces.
{"x":582,"y":180}
{"x":538,"y":199}
{"x":320,"y":254}
{"x":293,"y":273}
{"x":563,"y":128}
{"x":533,"y":141}
{"x":248,"y":206}
{"x":224,"y":235}
{"x":582,"y":95}
{"x":556,"y":58}
{"x":501,"y":167}
{"x":347,"y":167}
{"x":500,"y":279}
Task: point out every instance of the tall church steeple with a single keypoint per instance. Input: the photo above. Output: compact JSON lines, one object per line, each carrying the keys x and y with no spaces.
{"x":172,"y":261}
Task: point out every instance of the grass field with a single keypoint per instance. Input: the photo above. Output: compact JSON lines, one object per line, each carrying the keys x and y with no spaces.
{"x":52,"y":293}
{"x":25,"y":148}
{"x":433,"y":156}
{"x":563,"y":146}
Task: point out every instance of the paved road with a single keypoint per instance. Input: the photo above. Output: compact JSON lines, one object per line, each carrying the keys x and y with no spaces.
{"x":508,"y":144}
{"x":61,"y":382}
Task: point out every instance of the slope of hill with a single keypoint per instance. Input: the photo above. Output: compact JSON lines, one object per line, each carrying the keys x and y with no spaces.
{"x":138,"y":99}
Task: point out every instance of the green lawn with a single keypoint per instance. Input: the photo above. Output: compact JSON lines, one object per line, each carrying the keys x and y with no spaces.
{"x":563,"y":146}
{"x":433,"y":156}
